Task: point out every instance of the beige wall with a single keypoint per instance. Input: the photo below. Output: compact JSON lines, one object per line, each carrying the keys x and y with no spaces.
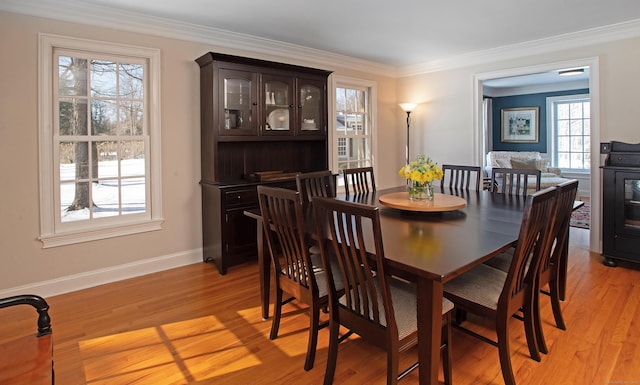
{"x":442,"y":127}
{"x":24,"y":265}
{"x":446,"y":117}
{"x":444,"y":123}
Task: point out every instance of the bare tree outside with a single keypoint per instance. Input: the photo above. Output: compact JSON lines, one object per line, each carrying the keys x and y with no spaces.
{"x":73,"y":122}
{"x":101,"y":116}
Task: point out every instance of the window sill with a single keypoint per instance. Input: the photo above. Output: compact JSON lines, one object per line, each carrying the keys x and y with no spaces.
{"x":574,"y":173}
{"x":70,"y":238}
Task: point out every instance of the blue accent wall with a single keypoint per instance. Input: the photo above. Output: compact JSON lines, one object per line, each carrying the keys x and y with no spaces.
{"x":530,"y":100}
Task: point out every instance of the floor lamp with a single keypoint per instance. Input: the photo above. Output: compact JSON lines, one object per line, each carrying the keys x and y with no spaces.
{"x":408,"y":107}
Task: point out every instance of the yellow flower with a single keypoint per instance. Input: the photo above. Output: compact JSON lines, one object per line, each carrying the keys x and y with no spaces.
{"x":421,"y":170}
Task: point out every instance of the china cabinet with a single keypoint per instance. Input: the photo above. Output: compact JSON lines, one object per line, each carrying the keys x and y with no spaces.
{"x":261,"y":122}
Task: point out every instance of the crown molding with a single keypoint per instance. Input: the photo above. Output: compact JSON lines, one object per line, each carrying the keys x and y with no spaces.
{"x":82,"y":13}
{"x":593,"y":36}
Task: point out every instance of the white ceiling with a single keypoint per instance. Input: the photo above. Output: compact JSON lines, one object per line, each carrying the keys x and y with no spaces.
{"x":536,"y":82}
{"x":391,"y":34}
{"x":399,"y":33}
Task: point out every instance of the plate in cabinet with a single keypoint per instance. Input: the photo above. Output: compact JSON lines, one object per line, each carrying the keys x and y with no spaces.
{"x":278,"y":119}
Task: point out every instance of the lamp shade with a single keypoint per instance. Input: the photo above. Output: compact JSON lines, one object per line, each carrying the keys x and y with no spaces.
{"x":408,"y":107}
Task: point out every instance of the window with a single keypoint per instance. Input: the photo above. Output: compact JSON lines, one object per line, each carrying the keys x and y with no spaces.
{"x":99,"y":137}
{"x":353,"y":126}
{"x":570,"y":123}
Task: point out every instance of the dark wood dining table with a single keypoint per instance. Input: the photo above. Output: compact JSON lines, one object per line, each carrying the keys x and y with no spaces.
{"x":431,"y":248}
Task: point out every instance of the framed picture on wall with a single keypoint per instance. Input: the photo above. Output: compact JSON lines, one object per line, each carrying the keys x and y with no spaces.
{"x":520,"y":125}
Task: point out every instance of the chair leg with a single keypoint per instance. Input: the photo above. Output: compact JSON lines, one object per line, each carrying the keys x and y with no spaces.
{"x":277,"y":312}
{"x":314,"y":326}
{"x":554,"y":290}
{"x":332,"y":357}
{"x":393,"y":365}
{"x":461,"y":315}
{"x":503,"y":350}
{"x":537,"y":324}
{"x":562,"y":270}
{"x":445,"y":349}
{"x":531,"y":315}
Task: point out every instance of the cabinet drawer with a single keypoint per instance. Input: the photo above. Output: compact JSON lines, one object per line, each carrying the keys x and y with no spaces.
{"x":247,"y":197}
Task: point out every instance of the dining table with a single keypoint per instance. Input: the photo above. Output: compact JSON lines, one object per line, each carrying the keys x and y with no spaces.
{"x":429,"y":247}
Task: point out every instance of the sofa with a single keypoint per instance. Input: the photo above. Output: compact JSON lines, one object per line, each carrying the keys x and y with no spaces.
{"x":550,"y":176}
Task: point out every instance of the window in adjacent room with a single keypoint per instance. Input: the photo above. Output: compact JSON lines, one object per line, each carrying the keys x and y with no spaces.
{"x":353,"y":125}
{"x":100,"y":140}
{"x":570,"y":118}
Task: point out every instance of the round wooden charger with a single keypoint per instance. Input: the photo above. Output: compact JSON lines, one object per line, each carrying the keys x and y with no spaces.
{"x":440,"y":202}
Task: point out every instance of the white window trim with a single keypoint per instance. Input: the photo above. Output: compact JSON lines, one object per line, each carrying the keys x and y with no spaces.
{"x":337,"y":81}
{"x":551,"y":132}
{"x":50,"y":236}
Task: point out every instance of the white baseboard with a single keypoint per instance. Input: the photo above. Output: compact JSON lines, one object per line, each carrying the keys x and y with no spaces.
{"x":100,"y":277}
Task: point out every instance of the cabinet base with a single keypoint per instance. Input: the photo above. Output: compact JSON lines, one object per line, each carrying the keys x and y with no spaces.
{"x":609,"y":262}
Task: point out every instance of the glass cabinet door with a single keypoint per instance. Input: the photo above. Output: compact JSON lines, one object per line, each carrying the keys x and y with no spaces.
{"x":278,"y":104}
{"x":632,"y":203}
{"x":238,"y":99}
{"x":311,"y":114}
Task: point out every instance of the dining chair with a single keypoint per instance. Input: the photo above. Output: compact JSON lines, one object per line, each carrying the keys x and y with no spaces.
{"x":564,"y":252}
{"x":359,"y":180}
{"x":297,"y":273}
{"x":375,"y":305}
{"x":459,"y":177}
{"x":312,"y":184}
{"x":315,"y":183}
{"x":514,"y":181}
{"x":553,"y":259}
{"x":497,"y":295}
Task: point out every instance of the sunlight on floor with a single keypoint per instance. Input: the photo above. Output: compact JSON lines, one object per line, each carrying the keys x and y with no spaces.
{"x":182,"y":352}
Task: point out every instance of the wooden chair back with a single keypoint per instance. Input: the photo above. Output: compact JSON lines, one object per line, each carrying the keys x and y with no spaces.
{"x":553,"y":257}
{"x":514,"y":181}
{"x":359,"y":180}
{"x":346,"y":226}
{"x":533,"y":239}
{"x":460,"y":177}
{"x":567,"y":192}
{"x":315,"y":184}
{"x":283,"y":219}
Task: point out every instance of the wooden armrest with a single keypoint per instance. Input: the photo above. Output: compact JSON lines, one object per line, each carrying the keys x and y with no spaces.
{"x":41,"y":306}
{"x":28,"y":359}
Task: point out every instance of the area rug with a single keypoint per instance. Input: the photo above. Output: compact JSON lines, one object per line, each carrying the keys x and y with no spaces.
{"x":581,"y":217}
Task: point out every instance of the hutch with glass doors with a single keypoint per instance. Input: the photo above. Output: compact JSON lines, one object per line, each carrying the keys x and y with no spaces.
{"x":621,"y":204}
{"x":262,"y":122}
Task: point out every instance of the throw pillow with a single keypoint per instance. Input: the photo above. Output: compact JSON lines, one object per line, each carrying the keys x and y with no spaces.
{"x":542,"y":165}
{"x":503,"y":163}
{"x":526,"y":164}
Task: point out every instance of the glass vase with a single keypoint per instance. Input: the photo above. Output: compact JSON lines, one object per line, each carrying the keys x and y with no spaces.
{"x":420,"y":191}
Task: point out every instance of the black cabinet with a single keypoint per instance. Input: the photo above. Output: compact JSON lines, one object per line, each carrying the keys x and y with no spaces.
{"x":621,"y":214}
{"x":256,"y":116}
{"x":229,"y":236}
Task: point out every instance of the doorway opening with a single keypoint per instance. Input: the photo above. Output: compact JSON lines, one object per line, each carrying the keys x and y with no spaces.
{"x":540,"y":79}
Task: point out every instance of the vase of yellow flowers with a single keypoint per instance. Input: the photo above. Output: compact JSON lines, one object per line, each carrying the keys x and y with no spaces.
{"x":419,"y":174}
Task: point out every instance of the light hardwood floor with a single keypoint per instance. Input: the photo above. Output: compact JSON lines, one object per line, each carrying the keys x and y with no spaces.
{"x":191,"y":325}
